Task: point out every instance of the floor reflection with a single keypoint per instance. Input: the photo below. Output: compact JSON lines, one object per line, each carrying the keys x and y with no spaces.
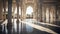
{"x":29,"y":26}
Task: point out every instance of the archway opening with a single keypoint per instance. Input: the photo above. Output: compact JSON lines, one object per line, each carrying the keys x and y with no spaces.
{"x":29,"y":12}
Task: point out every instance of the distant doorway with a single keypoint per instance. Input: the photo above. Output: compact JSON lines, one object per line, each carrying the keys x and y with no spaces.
{"x":29,"y":12}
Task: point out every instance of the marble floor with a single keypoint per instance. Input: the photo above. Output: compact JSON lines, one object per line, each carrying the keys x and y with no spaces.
{"x":30,"y":26}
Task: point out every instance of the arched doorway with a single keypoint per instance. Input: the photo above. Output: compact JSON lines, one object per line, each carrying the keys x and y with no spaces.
{"x":29,"y":12}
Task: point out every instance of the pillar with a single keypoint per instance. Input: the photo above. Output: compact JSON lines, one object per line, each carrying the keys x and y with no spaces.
{"x":17,"y":3}
{"x":9,"y":24}
{"x":40,"y":10}
{"x":45,"y":14}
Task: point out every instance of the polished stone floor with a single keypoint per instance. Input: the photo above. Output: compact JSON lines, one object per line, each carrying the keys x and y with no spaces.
{"x":30,"y":26}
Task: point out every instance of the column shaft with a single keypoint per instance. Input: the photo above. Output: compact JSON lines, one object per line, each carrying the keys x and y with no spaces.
{"x":9,"y":25}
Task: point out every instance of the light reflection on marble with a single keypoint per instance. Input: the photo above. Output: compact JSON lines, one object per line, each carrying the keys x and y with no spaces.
{"x":28,"y":28}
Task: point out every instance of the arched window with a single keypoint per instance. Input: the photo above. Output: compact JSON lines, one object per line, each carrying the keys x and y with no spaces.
{"x":29,"y":10}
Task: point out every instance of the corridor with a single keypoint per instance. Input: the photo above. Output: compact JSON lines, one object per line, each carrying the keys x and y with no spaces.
{"x":29,"y":16}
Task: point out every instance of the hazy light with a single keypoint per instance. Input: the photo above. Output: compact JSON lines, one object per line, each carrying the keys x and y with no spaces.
{"x":3,"y":9}
{"x":19,"y":11}
{"x":16,"y":11}
{"x":6,"y":9}
{"x":29,"y":10}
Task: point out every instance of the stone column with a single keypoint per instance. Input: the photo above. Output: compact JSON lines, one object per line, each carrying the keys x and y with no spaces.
{"x":41,"y":10}
{"x":17,"y":3}
{"x":9,"y":24}
{"x":56,"y":14}
{"x":45,"y":14}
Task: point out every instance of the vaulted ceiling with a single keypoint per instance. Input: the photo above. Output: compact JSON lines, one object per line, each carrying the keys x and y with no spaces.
{"x":44,"y":1}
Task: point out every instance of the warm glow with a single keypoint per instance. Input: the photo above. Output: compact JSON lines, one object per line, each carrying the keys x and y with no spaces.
{"x":19,"y":10}
{"x":29,"y":10}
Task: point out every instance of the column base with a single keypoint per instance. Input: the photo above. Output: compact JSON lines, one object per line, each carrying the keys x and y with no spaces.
{"x":9,"y":28}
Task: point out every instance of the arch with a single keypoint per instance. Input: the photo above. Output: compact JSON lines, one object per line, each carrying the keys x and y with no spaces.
{"x":29,"y":10}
